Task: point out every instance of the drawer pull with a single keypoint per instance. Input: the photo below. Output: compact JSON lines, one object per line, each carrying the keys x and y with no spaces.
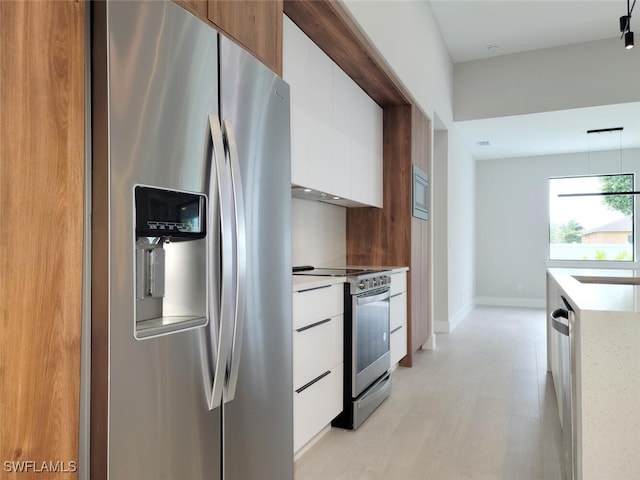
{"x":307,"y":327}
{"x":314,"y":288}
{"x":396,"y":329}
{"x":315,"y":380}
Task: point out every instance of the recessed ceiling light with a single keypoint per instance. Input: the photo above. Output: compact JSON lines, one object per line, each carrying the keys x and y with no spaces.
{"x":484,"y":143}
{"x":307,"y":190}
{"x":493,"y":48}
{"x":336,"y":198}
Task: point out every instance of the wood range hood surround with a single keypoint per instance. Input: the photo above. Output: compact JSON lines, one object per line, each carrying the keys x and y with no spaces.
{"x":387,"y":236}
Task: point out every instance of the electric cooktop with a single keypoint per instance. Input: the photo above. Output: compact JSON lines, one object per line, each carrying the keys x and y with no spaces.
{"x":336,"y":272}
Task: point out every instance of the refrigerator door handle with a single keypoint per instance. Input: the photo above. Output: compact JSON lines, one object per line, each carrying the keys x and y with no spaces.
{"x":220,"y":251}
{"x":240,"y":263}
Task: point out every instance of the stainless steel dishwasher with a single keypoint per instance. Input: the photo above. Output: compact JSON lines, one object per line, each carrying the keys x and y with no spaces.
{"x":562,"y":321}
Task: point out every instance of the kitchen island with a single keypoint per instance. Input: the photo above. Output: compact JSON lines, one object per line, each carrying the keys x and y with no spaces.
{"x":603,"y":366}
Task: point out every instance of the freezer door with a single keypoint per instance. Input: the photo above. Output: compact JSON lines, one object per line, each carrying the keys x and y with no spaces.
{"x":258,"y":413}
{"x":151,"y":417}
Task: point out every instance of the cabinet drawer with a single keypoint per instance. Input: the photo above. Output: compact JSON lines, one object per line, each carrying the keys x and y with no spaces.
{"x":398,"y":283}
{"x":315,"y":406}
{"x":398,"y":345}
{"x":398,"y":311}
{"x":316,"y":349}
{"x":310,"y":306}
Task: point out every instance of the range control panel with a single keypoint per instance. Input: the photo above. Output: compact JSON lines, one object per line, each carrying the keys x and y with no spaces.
{"x":373,"y":282}
{"x":369,"y":283}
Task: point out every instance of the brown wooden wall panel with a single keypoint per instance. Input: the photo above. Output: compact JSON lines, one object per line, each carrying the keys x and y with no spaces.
{"x":421,"y":139}
{"x":328,"y":24}
{"x":420,"y":264}
{"x":382,"y":236}
{"x":391,"y":235}
{"x":256,"y":24}
{"x":99,"y":243}
{"x":41,"y":231}
{"x":420,"y":301}
{"x":197,"y":7}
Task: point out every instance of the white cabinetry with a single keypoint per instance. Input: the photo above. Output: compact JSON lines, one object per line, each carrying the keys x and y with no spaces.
{"x":366,"y":148}
{"x":297,"y":54}
{"x":340,"y":179}
{"x":554,"y":340}
{"x":398,"y":317}
{"x":317,"y":359}
{"x":336,"y":128}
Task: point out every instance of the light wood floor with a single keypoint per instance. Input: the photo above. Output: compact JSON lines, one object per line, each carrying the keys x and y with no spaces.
{"x":481,"y":406}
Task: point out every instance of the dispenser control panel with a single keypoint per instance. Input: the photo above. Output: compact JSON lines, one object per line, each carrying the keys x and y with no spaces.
{"x":170,"y":258}
{"x":169,"y":213}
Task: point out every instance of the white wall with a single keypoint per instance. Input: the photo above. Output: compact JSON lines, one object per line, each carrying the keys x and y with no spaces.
{"x":406,"y":34}
{"x":439,"y":221}
{"x":512,"y":220}
{"x":461,"y":197}
{"x":573,"y":76}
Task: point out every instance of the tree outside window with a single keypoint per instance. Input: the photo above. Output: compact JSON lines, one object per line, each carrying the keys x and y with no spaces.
{"x":593,"y":226}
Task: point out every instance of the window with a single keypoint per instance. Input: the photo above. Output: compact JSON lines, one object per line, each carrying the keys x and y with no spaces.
{"x":587,"y":225}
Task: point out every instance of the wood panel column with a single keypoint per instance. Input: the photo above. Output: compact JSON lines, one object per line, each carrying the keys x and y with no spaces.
{"x":383,"y":236}
{"x":41,"y":234}
{"x":391,"y":235}
{"x":420,"y":302}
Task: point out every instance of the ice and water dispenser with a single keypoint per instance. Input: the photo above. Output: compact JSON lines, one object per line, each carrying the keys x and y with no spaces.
{"x":170,"y":261}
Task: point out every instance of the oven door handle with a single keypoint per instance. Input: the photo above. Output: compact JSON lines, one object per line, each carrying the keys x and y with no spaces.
{"x":372,"y":299}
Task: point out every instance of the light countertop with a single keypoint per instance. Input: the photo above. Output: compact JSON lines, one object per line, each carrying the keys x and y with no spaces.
{"x":391,"y":269}
{"x":600,"y":290}
{"x":301,"y":281}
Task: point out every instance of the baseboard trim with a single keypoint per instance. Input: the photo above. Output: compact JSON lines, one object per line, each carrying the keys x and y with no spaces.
{"x":311,"y":442}
{"x":448,"y":326}
{"x":430,"y":344}
{"x":442,"y":326}
{"x":512,"y":302}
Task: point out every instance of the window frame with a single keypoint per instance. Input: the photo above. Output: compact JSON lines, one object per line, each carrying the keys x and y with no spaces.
{"x":595,"y":264}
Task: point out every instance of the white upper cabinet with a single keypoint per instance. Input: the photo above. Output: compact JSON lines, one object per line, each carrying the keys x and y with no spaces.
{"x":366,"y":148}
{"x":336,"y":128}
{"x":296,"y":70}
{"x":319,"y":137}
{"x":341,"y":140}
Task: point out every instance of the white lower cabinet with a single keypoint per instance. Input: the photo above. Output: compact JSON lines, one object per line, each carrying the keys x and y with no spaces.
{"x":398,"y":317}
{"x":317,"y":360}
{"x":317,"y":349}
{"x":315,"y":406}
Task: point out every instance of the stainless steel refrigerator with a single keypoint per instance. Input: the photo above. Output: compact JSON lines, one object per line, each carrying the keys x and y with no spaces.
{"x":190,"y":284}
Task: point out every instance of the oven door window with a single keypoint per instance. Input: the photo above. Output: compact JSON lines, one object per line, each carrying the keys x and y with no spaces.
{"x":371,"y":329}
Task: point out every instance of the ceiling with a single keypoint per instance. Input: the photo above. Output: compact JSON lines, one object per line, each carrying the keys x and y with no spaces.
{"x":522,"y":25}
{"x":514,"y":26}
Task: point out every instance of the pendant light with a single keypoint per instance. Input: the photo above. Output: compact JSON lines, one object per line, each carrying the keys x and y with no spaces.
{"x":625,"y":27}
{"x":602,"y":194}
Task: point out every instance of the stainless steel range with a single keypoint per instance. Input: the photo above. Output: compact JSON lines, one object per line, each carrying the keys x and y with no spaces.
{"x":367,"y":381}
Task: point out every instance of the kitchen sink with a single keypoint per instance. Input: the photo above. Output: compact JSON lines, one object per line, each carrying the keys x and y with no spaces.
{"x":609,"y":280}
